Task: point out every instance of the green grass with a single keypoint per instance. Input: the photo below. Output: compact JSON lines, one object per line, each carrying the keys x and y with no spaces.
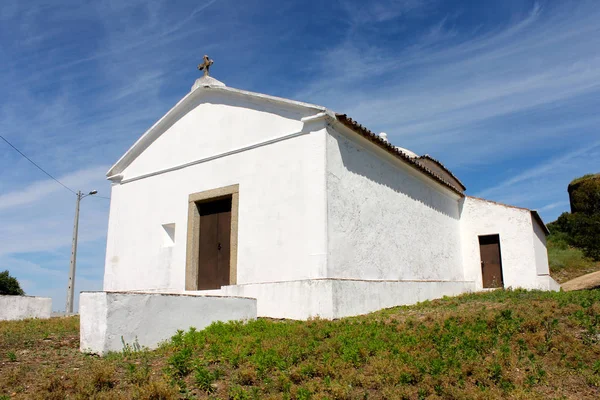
{"x":499,"y":344}
{"x":567,"y":262}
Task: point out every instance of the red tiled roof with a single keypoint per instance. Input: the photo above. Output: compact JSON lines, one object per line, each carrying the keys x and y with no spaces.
{"x":413,"y":162}
{"x":443,"y":168}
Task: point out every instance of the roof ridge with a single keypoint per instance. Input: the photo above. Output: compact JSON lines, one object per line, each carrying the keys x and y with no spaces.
{"x":367,"y":133}
{"x":427,"y":156}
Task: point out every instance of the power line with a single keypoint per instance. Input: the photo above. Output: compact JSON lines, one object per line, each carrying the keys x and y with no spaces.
{"x":38,"y":167}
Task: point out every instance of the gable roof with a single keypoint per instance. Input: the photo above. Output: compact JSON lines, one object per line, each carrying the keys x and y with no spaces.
{"x":205,"y":87}
{"x":183,"y":106}
{"x":435,"y":165}
{"x":457,"y":187}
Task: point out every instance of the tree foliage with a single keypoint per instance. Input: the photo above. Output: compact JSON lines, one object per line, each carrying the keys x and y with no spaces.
{"x":585,"y":195}
{"x":581,"y":227}
{"x":9,"y":285}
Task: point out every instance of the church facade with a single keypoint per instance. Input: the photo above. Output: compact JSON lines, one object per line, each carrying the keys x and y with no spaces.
{"x":241,"y":194}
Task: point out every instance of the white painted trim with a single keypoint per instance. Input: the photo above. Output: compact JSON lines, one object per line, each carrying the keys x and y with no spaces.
{"x":181,"y":108}
{"x":220,"y":155}
{"x":326,"y":200}
{"x":115,"y":178}
{"x":316,"y":117}
{"x":346,"y":279}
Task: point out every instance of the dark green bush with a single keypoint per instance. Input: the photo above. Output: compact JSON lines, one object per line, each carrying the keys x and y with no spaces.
{"x":585,"y":231}
{"x":584,"y":194}
{"x":10,"y":285}
{"x":581,"y":227}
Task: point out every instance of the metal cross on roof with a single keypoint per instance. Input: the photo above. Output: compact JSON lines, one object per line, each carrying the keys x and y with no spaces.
{"x":205,"y":65}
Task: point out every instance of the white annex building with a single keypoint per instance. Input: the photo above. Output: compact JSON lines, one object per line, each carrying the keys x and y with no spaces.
{"x":246,"y":195}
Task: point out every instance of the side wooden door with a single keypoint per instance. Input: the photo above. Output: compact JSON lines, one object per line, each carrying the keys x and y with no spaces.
{"x":491,"y":261}
{"x":214,"y":246}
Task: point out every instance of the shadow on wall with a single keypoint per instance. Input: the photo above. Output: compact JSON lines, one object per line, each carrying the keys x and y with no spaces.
{"x":538,"y":232}
{"x":360,"y":161}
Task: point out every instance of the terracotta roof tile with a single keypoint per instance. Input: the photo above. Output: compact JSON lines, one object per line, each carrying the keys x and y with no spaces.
{"x":444,"y":168}
{"x":413,"y":162}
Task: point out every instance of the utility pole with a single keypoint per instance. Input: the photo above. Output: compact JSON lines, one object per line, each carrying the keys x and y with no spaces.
{"x":71,"y":286}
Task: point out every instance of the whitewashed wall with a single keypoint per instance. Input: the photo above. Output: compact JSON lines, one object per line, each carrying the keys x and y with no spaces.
{"x":22,"y":307}
{"x":384,"y":220}
{"x":539,"y":247}
{"x":111,"y":320}
{"x":282,"y":211}
{"x":514,"y":225}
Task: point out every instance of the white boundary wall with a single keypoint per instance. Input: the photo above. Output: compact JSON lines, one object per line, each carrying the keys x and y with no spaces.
{"x":337,"y":298}
{"x":22,"y":307}
{"x":109,"y":319}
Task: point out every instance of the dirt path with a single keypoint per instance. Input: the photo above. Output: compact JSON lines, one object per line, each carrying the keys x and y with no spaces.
{"x":588,"y":281}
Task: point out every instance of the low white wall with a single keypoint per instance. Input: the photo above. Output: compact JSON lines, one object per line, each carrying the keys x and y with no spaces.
{"x":546,"y":282}
{"x":351,"y":297}
{"x":21,"y":307}
{"x":337,"y":298}
{"x":109,"y":318}
{"x":294,"y":299}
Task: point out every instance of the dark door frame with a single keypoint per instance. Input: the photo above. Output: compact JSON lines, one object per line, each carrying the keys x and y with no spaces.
{"x":193,"y":232}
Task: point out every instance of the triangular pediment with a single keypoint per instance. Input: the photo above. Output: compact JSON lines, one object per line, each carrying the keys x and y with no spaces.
{"x":209,"y":120}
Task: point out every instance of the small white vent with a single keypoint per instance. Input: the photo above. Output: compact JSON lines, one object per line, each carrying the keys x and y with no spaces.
{"x":168,"y":234}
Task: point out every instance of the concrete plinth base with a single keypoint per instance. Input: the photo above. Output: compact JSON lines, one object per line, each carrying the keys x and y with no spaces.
{"x":546,"y":282}
{"x":337,"y":298}
{"x":21,"y":307}
{"x":109,"y":319}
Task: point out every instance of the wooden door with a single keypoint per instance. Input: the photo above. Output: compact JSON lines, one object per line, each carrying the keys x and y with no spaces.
{"x":491,"y":261}
{"x":214,"y":248}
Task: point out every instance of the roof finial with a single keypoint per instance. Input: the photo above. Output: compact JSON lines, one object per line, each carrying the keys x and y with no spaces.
{"x":205,"y":65}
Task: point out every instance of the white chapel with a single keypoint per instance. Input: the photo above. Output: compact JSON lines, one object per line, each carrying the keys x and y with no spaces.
{"x":237,"y":194}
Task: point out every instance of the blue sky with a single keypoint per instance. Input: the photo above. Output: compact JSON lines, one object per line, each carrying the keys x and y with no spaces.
{"x":506,"y":94}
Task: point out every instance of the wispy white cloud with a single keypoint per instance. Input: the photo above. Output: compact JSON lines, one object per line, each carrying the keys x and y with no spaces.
{"x":381,"y":10}
{"x":38,"y":191}
{"x":542,"y":169}
{"x":469,"y":96}
{"x":82,"y":81}
{"x":552,"y":206}
{"x":39,"y":217}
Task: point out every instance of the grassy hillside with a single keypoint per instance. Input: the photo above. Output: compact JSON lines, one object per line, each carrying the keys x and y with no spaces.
{"x":567,"y":262}
{"x":517,"y":344}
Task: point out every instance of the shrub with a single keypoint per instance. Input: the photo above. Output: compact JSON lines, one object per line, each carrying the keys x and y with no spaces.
{"x":586,"y":233}
{"x":10,"y":285}
{"x":581,"y":227}
{"x":584,"y":194}
{"x":205,"y":379}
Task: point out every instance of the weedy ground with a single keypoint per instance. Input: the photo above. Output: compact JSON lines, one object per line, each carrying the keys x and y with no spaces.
{"x":499,"y":344}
